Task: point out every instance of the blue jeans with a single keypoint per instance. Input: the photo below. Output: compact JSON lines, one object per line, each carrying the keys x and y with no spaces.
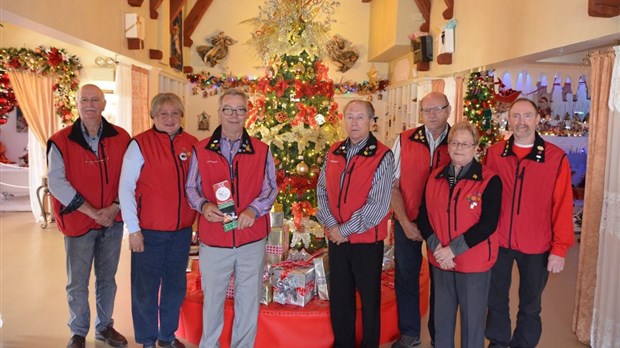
{"x":103,"y":248}
{"x":408,"y":263}
{"x":158,"y":284}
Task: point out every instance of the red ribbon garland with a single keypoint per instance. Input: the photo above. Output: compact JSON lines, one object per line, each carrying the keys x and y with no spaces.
{"x":298,"y":209}
{"x":305,"y":114}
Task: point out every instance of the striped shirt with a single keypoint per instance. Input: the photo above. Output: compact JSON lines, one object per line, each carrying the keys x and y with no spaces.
{"x":261,"y":205}
{"x":377,"y":204}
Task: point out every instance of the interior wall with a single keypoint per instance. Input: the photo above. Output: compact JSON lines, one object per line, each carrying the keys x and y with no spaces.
{"x":98,"y":22}
{"x":491,"y":32}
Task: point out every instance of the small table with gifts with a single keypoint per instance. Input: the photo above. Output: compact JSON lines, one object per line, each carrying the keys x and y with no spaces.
{"x":282,"y":325}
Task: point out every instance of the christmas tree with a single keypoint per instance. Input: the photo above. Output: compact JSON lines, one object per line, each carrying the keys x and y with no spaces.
{"x":478,"y":109}
{"x":294,"y":110}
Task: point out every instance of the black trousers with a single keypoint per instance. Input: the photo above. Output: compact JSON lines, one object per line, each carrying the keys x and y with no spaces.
{"x":351,"y":267}
{"x":533,"y":276}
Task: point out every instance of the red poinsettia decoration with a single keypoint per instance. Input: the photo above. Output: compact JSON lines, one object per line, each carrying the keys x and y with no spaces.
{"x":7,"y":98}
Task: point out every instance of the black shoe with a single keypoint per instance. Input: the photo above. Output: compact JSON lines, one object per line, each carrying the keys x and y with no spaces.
{"x":174,"y":344}
{"x":77,"y":341}
{"x":111,"y":337}
{"x":407,"y":342}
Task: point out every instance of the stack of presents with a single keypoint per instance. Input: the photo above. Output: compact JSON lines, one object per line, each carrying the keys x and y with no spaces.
{"x":289,"y":277}
{"x":294,"y":277}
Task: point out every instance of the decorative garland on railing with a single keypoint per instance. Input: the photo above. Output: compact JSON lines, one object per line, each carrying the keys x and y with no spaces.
{"x":209,"y":84}
{"x":42,"y":60}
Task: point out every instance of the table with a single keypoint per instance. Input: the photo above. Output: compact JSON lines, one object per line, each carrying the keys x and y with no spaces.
{"x":289,"y":325}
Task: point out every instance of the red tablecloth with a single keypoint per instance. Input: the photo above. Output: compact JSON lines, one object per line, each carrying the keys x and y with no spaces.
{"x":289,"y":325}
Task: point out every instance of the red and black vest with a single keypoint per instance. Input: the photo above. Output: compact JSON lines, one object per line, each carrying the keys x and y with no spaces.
{"x":356,"y":184}
{"x":246,"y":175}
{"x":415,"y":166}
{"x":452,"y":212}
{"x":160,"y":191}
{"x":95,"y":178}
{"x":525,"y":223}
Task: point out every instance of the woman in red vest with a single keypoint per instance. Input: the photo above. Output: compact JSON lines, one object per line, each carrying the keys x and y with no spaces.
{"x":458,"y":218}
{"x":159,"y":220}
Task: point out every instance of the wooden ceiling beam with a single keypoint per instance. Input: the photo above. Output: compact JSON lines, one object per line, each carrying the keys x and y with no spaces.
{"x":449,"y":12}
{"x":193,"y":19}
{"x":425,"y":9}
{"x":175,"y":8}
{"x":153,"y":6}
{"x":603,"y":8}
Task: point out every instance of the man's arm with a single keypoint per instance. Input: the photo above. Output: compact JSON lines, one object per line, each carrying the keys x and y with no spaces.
{"x":64,"y":192}
{"x":193,"y":186}
{"x":398,"y":203}
{"x":324,"y":214}
{"x":562,"y":218}
{"x":261,"y":205}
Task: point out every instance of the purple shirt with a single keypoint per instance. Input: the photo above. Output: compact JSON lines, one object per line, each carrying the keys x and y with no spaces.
{"x":229,"y":148}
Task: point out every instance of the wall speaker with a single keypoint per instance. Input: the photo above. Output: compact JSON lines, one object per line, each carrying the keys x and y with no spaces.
{"x":422,"y":49}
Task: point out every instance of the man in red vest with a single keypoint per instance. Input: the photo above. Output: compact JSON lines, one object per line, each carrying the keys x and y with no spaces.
{"x":535,"y":226}
{"x":84,"y":166}
{"x":233,"y":169}
{"x":353,"y":193}
{"x":417,"y":152}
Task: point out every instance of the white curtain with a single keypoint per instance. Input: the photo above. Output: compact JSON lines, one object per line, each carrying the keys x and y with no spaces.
{"x":122,"y":88}
{"x":606,"y":314}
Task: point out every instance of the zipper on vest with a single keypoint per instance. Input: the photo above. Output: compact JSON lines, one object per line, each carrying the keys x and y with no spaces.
{"x":512,"y":207}
{"x":456,"y":198}
{"x":349,"y":173}
{"x":103,"y":168}
{"x":438,"y":156}
{"x":340,"y":191}
{"x":237,"y":182}
{"x":520,"y":190}
{"x":177,"y":164}
{"x":448,"y":212}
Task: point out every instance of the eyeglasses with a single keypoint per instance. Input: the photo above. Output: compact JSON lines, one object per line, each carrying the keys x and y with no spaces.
{"x":463,"y":145}
{"x":435,"y":110}
{"x":230,"y":111}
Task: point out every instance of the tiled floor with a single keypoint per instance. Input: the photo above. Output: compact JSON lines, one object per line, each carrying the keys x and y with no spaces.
{"x":33,"y":302}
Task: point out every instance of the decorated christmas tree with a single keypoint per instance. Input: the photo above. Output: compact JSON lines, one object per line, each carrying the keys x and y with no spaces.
{"x":293,"y":109}
{"x":478,"y":109}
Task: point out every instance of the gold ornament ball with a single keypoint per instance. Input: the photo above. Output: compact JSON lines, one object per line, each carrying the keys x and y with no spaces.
{"x":302,"y":168}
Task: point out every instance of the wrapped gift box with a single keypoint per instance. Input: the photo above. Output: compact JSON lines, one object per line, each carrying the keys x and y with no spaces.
{"x":266,"y":295}
{"x":321,"y":271}
{"x":276,"y":248}
{"x":230,"y":290}
{"x":277,"y":215}
{"x":293,"y":284}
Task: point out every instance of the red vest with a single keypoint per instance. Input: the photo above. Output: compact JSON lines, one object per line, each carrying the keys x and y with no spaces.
{"x":415,"y":166}
{"x":525,"y":222}
{"x":96,"y":179}
{"x":452,"y":215}
{"x":160,"y":190}
{"x":356,"y":184}
{"x":246,"y":175}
